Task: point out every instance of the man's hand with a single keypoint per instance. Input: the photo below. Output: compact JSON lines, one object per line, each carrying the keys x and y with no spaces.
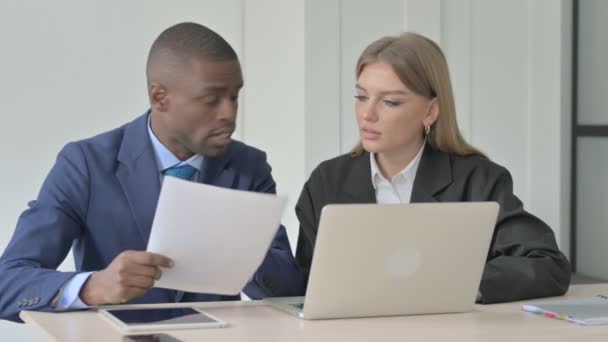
{"x":129,"y":276}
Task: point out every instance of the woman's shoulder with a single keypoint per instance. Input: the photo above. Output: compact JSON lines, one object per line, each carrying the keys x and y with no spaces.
{"x":478,"y":166}
{"x":341,"y":161}
{"x":337,"y":167}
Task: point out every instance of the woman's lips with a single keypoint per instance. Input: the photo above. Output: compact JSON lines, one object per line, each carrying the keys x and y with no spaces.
{"x":370,"y":134}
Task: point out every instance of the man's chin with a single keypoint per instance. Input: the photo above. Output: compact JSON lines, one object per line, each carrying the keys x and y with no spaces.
{"x":215,"y":151}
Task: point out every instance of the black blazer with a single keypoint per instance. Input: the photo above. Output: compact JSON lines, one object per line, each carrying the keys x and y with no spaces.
{"x":524,"y":260}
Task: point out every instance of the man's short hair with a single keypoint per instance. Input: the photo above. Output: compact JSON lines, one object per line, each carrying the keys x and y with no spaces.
{"x":189,"y":40}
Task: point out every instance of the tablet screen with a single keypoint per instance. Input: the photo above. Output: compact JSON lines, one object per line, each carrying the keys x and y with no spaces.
{"x":158,"y":316}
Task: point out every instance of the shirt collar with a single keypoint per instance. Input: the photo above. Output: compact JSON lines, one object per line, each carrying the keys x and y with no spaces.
{"x":165,"y":159}
{"x":408,"y":174}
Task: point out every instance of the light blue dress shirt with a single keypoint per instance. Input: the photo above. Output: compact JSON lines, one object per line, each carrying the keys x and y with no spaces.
{"x":70,"y":298}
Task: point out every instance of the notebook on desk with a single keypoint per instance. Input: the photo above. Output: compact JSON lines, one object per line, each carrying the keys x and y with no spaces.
{"x":584,"y":311}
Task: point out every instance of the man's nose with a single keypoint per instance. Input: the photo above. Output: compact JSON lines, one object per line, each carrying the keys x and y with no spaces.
{"x":228,"y":110}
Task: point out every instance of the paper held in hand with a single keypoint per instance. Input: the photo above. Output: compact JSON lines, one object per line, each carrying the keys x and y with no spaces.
{"x":217,"y":237}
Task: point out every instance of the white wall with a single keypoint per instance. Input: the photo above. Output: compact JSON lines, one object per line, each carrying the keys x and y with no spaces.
{"x":71,"y":69}
{"x":592,"y":183}
{"x":274,"y":103}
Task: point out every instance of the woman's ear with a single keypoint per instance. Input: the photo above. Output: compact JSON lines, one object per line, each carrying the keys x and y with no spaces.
{"x":432,"y":113}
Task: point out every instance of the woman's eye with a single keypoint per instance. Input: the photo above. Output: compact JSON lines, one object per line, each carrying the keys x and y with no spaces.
{"x":390,"y":103}
{"x":361,"y":97}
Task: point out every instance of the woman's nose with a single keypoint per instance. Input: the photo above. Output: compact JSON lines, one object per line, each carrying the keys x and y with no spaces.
{"x":369,"y":112}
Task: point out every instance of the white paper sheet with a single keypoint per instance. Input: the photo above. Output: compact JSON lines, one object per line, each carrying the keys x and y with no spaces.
{"x":217,"y":237}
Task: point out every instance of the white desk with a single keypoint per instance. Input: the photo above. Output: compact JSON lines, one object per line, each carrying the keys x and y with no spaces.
{"x":254,"y":321}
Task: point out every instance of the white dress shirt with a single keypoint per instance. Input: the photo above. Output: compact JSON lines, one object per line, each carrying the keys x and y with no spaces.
{"x":399,"y":188}
{"x":165,"y":159}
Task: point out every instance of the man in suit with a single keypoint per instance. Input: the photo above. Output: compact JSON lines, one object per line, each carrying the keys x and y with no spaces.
{"x":100,"y":196}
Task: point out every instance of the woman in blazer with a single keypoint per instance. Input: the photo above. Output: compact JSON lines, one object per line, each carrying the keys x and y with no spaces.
{"x":411,"y":150}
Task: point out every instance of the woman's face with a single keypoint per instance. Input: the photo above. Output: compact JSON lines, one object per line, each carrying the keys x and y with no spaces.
{"x":391,"y":117}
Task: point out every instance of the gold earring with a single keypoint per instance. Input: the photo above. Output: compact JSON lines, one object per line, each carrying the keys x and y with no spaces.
{"x":427,"y":129}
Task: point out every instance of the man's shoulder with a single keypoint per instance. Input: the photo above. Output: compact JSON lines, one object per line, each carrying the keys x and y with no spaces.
{"x":237,"y":146}
{"x":240,"y":152}
{"x":109,"y":138}
{"x":476,"y":166}
{"x":103,"y":145}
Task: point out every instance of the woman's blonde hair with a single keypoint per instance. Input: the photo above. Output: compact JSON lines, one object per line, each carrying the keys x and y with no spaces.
{"x":421,"y":66}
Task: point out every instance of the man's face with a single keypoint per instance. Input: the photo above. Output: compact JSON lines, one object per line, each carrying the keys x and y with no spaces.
{"x":202,"y":103}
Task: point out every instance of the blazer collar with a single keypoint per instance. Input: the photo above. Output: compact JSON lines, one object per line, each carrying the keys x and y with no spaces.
{"x":433,"y":175}
{"x":138,"y":173}
{"x":358,"y":187}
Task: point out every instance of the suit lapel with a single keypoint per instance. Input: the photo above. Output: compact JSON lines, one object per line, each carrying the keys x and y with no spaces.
{"x":434,"y":174}
{"x":357,"y":187}
{"x":138,"y":175}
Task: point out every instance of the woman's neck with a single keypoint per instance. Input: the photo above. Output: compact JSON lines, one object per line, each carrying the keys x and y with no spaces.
{"x":394,"y":161}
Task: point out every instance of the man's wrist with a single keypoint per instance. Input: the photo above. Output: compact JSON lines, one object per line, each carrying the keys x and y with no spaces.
{"x":87,"y":292}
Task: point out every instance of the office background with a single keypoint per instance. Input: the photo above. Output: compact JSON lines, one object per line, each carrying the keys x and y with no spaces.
{"x":71,"y":69}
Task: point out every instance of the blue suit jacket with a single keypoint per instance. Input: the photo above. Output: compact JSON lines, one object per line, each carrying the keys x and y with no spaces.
{"x":99,"y":199}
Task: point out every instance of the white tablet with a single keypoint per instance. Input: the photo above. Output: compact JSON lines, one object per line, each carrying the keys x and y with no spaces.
{"x":130,"y":320}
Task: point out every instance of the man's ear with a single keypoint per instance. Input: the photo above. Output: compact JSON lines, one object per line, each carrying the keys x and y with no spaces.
{"x":433,"y":112}
{"x":159,"y":99}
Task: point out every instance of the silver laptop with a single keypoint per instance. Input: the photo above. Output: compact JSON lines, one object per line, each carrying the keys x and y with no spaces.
{"x":395,"y":259}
